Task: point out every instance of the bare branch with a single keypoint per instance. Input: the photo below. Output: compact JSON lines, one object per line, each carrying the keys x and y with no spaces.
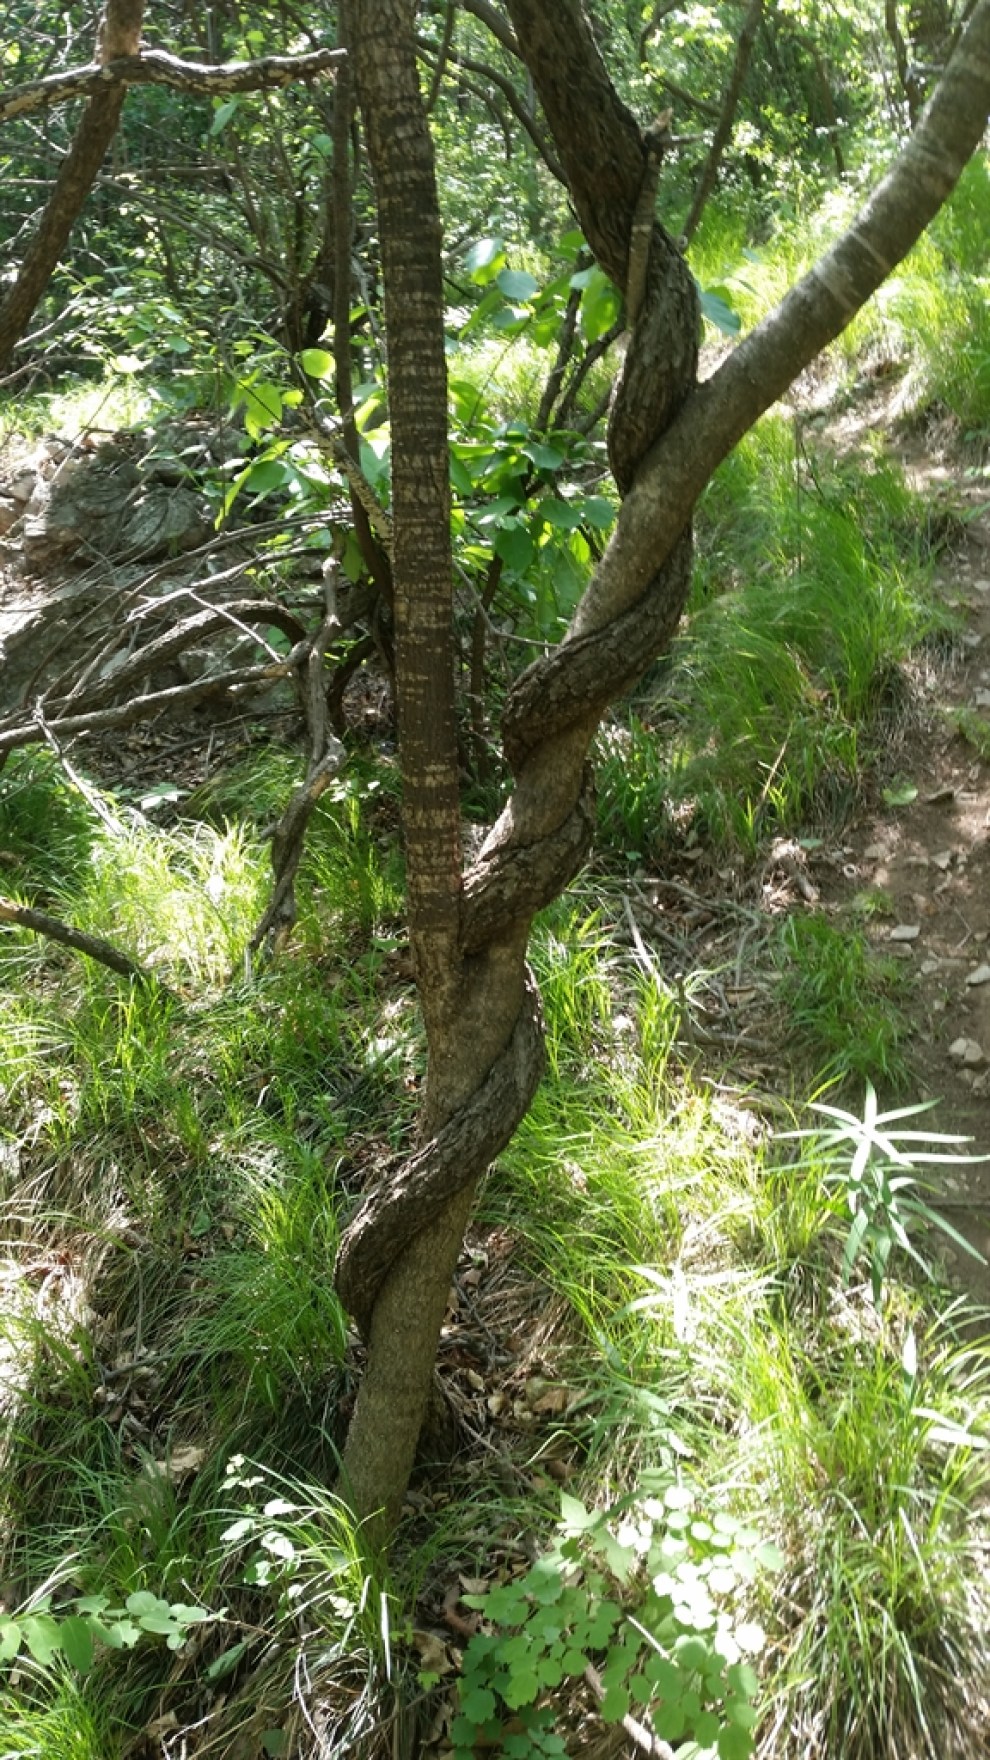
{"x":155,"y":67}
{"x":155,"y":702}
{"x":93,"y":946}
{"x":499,"y":26}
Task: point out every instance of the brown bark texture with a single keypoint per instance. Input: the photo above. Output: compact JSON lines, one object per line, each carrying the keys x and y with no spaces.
{"x":667,"y":433}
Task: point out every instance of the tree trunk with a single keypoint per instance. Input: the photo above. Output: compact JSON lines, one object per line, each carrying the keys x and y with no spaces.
{"x":667,"y":433}
{"x":726,"y":118}
{"x":120,"y":34}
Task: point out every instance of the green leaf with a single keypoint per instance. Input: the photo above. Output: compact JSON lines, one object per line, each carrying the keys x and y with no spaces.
{"x":705,"y":1730}
{"x":10,"y":1639}
{"x":274,"y":1742}
{"x":565,"y":515}
{"x":692,"y":1653}
{"x":222,"y":115}
{"x":546,"y":458}
{"x":484,"y":259}
{"x":574,"y":1662}
{"x":522,"y":1687}
{"x":42,"y":1636}
{"x":716,"y":307}
{"x":734,"y":1743}
{"x":900,"y":793}
{"x":317,"y":362}
{"x":478,"y":1703}
{"x":77,"y":1642}
{"x":600,"y":305}
{"x":575,"y":1515}
{"x":669,"y":1721}
{"x":226,"y":1662}
{"x":598,"y":512}
{"x":141,"y":1602}
{"x":517,"y":284}
{"x":614,"y":1705}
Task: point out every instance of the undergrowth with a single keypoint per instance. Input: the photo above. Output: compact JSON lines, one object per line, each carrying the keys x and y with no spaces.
{"x":656,"y":1313}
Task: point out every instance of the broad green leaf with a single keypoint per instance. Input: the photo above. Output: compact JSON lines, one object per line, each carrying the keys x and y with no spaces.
{"x":42,"y":1636}
{"x":226,"y":1662}
{"x":522,"y":1687}
{"x":222,"y":115}
{"x":546,"y":458}
{"x":575,"y":1515}
{"x":600,"y":305}
{"x":10,"y":1639}
{"x":317,"y":362}
{"x":263,"y":477}
{"x":734,"y":1743}
{"x":77,"y":1642}
{"x":716,"y":307}
{"x":692,"y":1653}
{"x":478,"y":1703}
{"x":597,"y":512}
{"x":669,"y":1721}
{"x":564,"y":515}
{"x":517,"y":284}
{"x":141,"y":1602}
{"x":615,"y":1704}
{"x":495,"y":510}
{"x":484,"y":260}
{"x":705,"y":1729}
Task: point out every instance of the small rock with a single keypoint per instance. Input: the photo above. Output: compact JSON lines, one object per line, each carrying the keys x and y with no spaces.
{"x":968,"y":1076}
{"x":873,"y":852}
{"x":928,"y":967}
{"x":10,"y":513}
{"x":966,"y":1051}
{"x":982,"y":586}
{"x":906,"y":932}
{"x":981,"y":1083}
{"x":981,"y":699}
{"x":981,"y":975}
{"x":943,"y":860}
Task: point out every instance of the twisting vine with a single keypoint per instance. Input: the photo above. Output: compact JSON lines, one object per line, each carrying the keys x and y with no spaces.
{"x":543,"y":836}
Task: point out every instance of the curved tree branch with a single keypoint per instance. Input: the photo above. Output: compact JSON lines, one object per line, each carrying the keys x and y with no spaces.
{"x":155,"y":67}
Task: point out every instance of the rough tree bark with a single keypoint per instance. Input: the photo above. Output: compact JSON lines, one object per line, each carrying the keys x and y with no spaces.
{"x":667,"y":434}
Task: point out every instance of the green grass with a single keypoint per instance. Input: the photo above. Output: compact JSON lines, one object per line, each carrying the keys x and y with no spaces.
{"x":843,"y":1002}
{"x":780,"y":697}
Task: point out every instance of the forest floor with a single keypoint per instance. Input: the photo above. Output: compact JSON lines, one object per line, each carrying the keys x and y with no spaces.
{"x":522,"y":1361}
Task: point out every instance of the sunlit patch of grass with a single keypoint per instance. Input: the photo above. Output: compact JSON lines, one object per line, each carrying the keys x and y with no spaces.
{"x":64,"y":1718}
{"x":870,"y":1451}
{"x":117,"y":401}
{"x":184,"y":904}
{"x":811,"y":592}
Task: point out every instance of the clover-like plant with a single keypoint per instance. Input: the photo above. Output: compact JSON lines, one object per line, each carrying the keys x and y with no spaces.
{"x":647,"y":1604}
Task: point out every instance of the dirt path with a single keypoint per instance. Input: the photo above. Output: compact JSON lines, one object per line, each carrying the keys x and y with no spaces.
{"x":931,"y":859}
